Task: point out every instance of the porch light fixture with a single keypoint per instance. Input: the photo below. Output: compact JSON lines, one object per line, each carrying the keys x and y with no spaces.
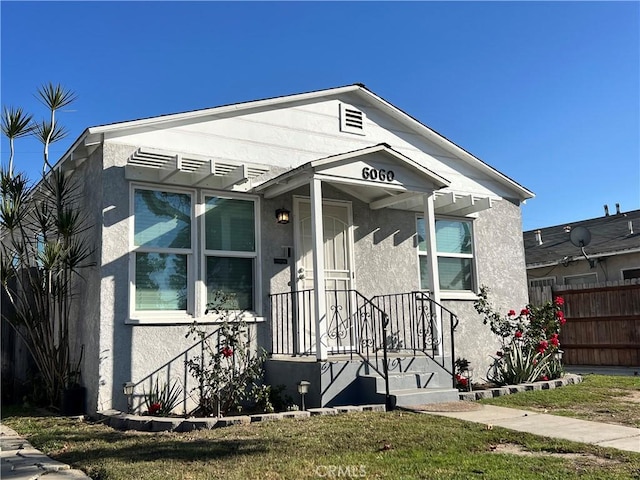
{"x":282,"y":215}
{"x":127,"y":389}
{"x":303,"y":389}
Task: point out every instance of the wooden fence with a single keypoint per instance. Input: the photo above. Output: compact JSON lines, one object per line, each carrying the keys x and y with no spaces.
{"x":603,"y":322}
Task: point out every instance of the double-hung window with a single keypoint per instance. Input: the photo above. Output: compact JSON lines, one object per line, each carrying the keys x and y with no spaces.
{"x":162,"y":251}
{"x":230,"y":249}
{"x":186,"y":250}
{"x":454,"y":252}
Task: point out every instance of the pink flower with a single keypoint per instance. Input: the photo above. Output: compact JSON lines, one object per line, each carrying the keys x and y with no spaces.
{"x":559,"y":301}
{"x":524,"y":311}
{"x":518,"y":334}
{"x":512,"y":313}
{"x":227,"y":352}
{"x":554,"y":341}
{"x":544,"y":378}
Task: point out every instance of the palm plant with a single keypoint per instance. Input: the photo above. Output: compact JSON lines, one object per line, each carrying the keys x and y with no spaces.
{"x":54,"y":97}
{"x":43,"y":252}
{"x":15,"y":124}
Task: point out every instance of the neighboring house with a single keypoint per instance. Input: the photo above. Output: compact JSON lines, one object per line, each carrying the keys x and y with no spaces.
{"x":185,"y":205}
{"x":612,"y":254}
{"x":599,"y":280}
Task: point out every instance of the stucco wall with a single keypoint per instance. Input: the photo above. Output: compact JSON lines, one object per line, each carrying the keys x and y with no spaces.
{"x":132,"y":352}
{"x":501,"y":267}
{"x":386,"y":262}
{"x":86,"y":304}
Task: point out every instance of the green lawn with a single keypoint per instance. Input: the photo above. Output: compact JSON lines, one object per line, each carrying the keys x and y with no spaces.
{"x":396,"y":445}
{"x":601,"y":398}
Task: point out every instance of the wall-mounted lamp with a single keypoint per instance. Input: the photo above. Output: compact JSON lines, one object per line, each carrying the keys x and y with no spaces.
{"x":303,"y":389}
{"x":127,"y":389}
{"x":282,"y":215}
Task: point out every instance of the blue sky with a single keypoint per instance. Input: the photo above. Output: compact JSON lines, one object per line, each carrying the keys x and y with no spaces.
{"x":546,"y":92}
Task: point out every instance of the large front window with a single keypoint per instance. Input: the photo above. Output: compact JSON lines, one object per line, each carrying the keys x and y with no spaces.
{"x":168,"y":263}
{"x":163,"y":249}
{"x":230,"y":249}
{"x":454,"y":252}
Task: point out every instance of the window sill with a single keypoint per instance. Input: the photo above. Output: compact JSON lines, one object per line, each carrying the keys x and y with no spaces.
{"x":163,"y":318}
{"x":444,"y":295}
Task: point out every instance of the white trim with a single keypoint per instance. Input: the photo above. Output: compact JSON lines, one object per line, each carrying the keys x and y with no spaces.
{"x":143,"y":316}
{"x":450,"y":294}
{"x":622,"y":270}
{"x":255,"y":254}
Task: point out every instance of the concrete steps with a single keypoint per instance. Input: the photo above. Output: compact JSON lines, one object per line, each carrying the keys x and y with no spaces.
{"x":421,"y":396}
{"x":414,"y":381}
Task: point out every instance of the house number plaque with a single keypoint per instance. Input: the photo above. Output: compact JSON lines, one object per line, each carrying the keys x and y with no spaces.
{"x":381,"y":174}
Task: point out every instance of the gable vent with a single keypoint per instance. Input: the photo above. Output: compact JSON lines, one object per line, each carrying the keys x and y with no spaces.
{"x":351,"y":120}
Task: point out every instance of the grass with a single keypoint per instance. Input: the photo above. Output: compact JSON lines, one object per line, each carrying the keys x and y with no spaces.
{"x":601,"y":398}
{"x":395,"y":445}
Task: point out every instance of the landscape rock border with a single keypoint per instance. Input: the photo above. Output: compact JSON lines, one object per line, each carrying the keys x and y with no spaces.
{"x":144,"y":423}
{"x":568,"y":379}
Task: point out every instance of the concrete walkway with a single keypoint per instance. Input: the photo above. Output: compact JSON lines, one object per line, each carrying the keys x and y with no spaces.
{"x":555,"y":426}
{"x":20,"y":461}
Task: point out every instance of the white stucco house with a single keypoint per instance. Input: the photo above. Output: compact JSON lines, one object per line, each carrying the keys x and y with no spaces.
{"x":386,"y":219}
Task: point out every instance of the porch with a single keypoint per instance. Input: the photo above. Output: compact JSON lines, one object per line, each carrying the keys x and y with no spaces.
{"x":398,"y":349}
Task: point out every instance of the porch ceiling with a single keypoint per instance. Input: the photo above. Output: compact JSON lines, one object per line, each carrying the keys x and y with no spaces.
{"x":405,"y":191}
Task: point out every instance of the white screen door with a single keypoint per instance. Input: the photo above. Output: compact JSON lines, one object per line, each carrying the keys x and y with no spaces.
{"x":338,"y":271}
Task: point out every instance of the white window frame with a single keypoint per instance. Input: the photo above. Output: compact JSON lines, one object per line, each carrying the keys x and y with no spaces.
{"x":196,"y":262}
{"x":589,"y":274}
{"x":541,"y":281}
{"x":161,"y":316}
{"x":622,"y":270}
{"x":453,"y":294}
{"x":255,"y":255}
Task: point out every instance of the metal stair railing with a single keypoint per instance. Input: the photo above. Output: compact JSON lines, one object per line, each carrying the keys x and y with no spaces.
{"x":356,"y":326}
{"x":417,"y":325}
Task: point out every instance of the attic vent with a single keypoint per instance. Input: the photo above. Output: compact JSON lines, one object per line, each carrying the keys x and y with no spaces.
{"x":351,"y":120}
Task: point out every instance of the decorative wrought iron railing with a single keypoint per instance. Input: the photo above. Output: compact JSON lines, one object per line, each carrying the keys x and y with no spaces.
{"x":369,"y":328}
{"x":419,"y":324}
{"x":355,"y":327}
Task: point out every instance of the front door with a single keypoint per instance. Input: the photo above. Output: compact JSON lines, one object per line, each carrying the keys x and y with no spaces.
{"x":339,"y":274}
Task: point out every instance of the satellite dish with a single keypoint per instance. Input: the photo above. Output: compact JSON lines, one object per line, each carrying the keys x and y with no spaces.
{"x":580,"y":237}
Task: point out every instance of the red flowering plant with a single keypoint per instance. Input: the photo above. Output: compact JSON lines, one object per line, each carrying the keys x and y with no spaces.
{"x":530,"y":341}
{"x":462,"y":374}
{"x":161,"y":400}
{"x":229,"y":368}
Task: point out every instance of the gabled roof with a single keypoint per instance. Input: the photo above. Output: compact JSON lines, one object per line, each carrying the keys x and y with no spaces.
{"x":610,"y":235}
{"x":92,"y":136}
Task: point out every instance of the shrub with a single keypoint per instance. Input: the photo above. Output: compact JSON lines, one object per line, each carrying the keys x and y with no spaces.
{"x":530,"y":341}
{"x":226,"y":370}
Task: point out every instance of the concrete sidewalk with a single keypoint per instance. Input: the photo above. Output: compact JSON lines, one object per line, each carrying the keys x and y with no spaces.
{"x":20,"y":461}
{"x":555,"y":426}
